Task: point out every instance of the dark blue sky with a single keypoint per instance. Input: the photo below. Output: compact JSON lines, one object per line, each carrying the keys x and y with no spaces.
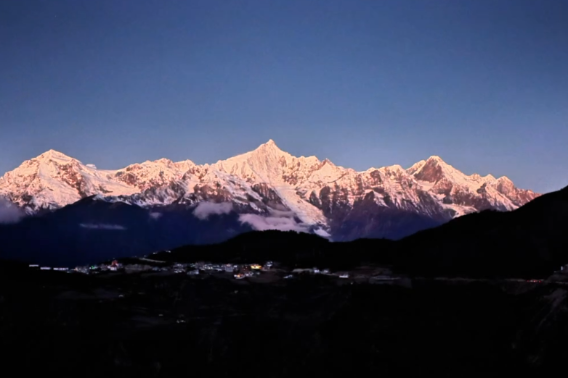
{"x":482,"y":83}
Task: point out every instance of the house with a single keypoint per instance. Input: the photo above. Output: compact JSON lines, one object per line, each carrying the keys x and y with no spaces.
{"x":34,"y":266}
{"x":136,"y":268}
{"x":115,"y":266}
{"x":193,"y":272}
{"x":301,"y":270}
{"x":210,"y":266}
{"x":45,"y":268}
{"x":344,"y":275}
{"x":229,"y":268}
{"x":381,"y":279}
{"x":256,"y":266}
{"x":178,"y":268}
{"x":82,"y":269}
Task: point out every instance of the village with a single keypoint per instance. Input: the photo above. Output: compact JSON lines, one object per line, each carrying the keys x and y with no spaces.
{"x":268,"y":272}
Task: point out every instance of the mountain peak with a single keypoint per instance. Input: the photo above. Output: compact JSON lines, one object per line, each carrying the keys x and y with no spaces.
{"x":269,"y":145}
{"x":54,"y":155}
{"x":51,"y":152}
{"x":436,"y":159}
{"x":504,"y":179}
{"x":432,"y":169}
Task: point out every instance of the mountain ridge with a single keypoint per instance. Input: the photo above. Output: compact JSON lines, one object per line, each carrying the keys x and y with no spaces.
{"x":317,"y":194}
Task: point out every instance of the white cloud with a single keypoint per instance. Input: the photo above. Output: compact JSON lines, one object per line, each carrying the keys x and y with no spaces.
{"x":261,"y":223}
{"x":321,"y":232}
{"x":205,"y":209}
{"x":155,"y":215}
{"x":10,"y":213}
{"x":93,"y":226}
{"x":279,"y":220}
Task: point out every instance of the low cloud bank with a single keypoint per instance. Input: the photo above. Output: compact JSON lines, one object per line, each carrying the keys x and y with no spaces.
{"x":282,"y":220}
{"x":155,"y":215}
{"x":323,"y":233}
{"x":10,"y":213}
{"x":93,"y":226}
{"x":279,"y":220}
{"x":205,"y":209}
{"x":260,"y":223}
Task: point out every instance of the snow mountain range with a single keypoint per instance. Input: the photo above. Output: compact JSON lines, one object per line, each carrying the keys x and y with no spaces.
{"x":270,"y":189}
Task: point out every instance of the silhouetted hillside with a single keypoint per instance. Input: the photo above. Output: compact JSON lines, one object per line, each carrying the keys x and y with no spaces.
{"x":529,"y":242}
{"x":290,"y":248}
{"x":89,"y":231}
{"x":532,"y":240}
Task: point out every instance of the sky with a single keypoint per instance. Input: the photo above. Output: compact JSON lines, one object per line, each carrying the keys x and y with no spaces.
{"x":481,"y":83}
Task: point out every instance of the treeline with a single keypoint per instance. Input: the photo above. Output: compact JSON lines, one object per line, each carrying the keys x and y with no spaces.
{"x":289,"y":248}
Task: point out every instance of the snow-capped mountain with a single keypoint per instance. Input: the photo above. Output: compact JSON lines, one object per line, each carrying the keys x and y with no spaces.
{"x":267,"y":185}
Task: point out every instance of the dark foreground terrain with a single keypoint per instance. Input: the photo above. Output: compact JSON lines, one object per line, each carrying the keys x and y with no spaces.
{"x":165,"y":325}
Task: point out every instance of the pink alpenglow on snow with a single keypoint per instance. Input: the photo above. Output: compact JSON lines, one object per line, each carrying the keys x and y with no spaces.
{"x":268,"y":187}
